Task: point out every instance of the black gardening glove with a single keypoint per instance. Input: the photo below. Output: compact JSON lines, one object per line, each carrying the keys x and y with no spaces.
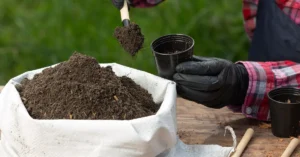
{"x":213,"y":82}
{"x":119,"y":3}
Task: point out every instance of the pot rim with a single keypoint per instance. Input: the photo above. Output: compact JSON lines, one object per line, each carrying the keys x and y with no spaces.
{"x":178,"y":34}
{"x":279,"y":88}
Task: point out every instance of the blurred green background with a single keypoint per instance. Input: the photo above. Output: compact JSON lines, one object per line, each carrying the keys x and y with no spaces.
{"x":38,"y":33}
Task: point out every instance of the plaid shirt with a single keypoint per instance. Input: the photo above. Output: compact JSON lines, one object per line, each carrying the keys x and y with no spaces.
{"x":144,"y":3}
{"x":263,"y":76}
{"x":289,"y":7}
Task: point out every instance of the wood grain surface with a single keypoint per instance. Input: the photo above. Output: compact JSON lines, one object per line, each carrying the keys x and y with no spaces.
{"x":198,"y":124}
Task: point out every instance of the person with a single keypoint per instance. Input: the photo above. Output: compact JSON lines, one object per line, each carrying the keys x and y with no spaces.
{"x":273,"y":57}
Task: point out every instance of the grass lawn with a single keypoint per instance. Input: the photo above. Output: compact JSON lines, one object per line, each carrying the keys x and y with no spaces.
{"x":38,"y":33}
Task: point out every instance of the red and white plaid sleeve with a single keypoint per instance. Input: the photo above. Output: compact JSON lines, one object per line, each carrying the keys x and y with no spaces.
{"x":145,"y":3}
{"x":289,"y":7}
{"x":263,"y":77}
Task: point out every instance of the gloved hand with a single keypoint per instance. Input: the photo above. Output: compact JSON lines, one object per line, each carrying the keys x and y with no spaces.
{"x":213,"y":82}
{"x":119,"y":3}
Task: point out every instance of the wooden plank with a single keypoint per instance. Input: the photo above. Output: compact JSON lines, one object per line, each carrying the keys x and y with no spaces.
{"x":198,"y":124}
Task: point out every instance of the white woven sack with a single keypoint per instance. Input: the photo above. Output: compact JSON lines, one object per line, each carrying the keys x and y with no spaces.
{"x":151,"y":136}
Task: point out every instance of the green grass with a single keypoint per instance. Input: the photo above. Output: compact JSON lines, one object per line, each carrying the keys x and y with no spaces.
{"x":38,"y":33}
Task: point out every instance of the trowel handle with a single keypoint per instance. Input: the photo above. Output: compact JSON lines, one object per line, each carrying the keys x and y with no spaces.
{"x":243,"y":143}
{"x":291,"y":147}
{"x":125,"y":14}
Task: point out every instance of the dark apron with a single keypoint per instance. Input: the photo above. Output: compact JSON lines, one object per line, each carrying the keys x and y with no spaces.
{"x":276,"y":36}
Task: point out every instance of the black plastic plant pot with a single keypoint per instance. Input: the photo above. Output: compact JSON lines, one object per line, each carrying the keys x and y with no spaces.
{"x":169,"y":51}
{"x":285,"y":111}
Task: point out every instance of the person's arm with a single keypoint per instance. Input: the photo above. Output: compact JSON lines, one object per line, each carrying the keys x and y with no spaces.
{"x":137,"y":3}
{"x":263,"y":77}
{"x":241,"y":86}
{"x":145,"y":3}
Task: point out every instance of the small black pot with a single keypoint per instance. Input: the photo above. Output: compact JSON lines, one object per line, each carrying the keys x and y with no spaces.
{"x":169,"y":51}
{"x":285,"y":116}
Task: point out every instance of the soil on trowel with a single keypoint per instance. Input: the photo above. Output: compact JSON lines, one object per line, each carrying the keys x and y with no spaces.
{"x":80,"y":89}
{"x":130,"y":37}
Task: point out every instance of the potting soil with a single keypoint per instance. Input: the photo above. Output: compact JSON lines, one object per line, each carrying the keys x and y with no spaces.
{"x":80,"y":89}
{"x":130,"y":38}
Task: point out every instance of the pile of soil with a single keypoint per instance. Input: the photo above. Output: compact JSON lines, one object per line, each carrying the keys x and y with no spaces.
{"x":80,"y":89}
{"x":130,"y":38}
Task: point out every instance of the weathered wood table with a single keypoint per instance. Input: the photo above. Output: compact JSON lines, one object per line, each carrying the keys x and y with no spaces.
{"x":198,"y":124}
{"x":202,"y":125}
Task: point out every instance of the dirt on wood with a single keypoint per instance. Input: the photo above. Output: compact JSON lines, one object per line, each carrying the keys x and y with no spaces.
{"x":184,"y":135}
{"x":263,"y":125}
{"x":130,"y":38}
{"x":80,"y":89}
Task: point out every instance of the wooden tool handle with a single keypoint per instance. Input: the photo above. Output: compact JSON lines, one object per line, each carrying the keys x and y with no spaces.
{"x":290,"y":148}
{"x":243,"y":143}
{"x":125,"y":14}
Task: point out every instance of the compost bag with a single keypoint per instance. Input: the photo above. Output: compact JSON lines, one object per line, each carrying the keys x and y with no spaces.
{"x":150,"y":136}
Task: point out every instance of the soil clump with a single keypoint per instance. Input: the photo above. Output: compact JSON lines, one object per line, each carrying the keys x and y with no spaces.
{"x":130,"y":38}
{"x":80,"y":89}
